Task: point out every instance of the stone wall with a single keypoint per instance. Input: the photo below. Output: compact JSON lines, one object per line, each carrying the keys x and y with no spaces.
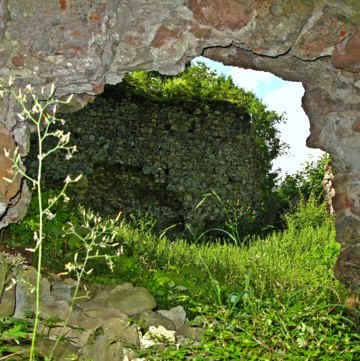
{"x":82,"y":45}
{"x":161,"y":158}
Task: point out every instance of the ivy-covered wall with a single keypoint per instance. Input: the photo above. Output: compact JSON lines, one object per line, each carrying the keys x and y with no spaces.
{"x":161,"y":157}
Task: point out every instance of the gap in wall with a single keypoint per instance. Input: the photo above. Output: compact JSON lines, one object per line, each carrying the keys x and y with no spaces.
{"x":283,"y":97}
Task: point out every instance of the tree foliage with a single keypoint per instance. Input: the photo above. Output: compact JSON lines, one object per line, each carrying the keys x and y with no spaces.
{"x":302,"y":186}
{"x":305,"y":182}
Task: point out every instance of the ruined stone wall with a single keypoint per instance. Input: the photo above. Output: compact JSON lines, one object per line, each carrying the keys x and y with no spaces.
{"x":81,"y":45}
{"x":161,"y":158}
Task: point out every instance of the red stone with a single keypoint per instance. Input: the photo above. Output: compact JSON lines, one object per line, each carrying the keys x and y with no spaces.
{"x":18,"y":60}
{"x":347,"y":55}
{"x":98,"y":89}
{"x":341,"y":202}
{"x":131,"y":39}
{"x":200,"y":32}
{"x":62,"y":4}
{"x":94,"y":17}
{"x":7,"y":190}
{"x":221,"y":14}
{"x":318,"y":39}
{"x":356,"y":126}
{"x":162,"y":36}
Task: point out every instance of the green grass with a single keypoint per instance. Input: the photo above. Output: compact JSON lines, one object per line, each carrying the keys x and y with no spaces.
{"x":273,"y":299}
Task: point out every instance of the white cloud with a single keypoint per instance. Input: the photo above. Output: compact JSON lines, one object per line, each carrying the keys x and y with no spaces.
{"x":250,"y":80}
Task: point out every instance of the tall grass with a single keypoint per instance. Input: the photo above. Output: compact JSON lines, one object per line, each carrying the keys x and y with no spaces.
{"x":301,"y":256}
{"x":273,"y":298}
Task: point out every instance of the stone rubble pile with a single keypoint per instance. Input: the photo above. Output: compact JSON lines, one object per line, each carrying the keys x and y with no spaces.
{"x":108,"y":323}
{"x":83,"y":45}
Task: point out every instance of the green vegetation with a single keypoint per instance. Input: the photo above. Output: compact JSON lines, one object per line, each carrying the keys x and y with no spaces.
{"x":275,"y":299}
{"x":304,"y":183}
{"x":301,"y":186}
{"x":90,"y":233}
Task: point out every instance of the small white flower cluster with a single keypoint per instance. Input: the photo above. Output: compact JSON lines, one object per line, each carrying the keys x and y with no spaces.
{"x":68,"y":179}
{"x":64,"y":138}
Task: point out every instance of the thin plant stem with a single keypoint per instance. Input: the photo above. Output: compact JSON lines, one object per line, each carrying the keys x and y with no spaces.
{"x":37,"y":182}
{"x":38,"y":245}
{"x":73,"y":300}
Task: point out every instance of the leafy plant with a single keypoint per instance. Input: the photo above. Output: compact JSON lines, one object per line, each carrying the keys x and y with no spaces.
{"x":94,"y":235}
{"x":42,"y":115}
{"x":274,"y":298}
{"x":55,"y":246}
{"x":13,"y":334}
{"x":307,"y":214}
{"x":303,"y":184}
{"x":241,"y":222}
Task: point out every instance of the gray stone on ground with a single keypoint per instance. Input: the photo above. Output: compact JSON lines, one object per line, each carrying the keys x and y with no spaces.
{"x":158,"y":336}
{"x":151,"y":318}
{"x":4,"y":269}
{"x":176,"y":314}
{"x":25,"y":291}
{"x":131,"y":300}
{"x":58,"y":309}
{"x":65,"y":351}
{"x":7,"y":302}
{"x":99,"y":328}
{"x":107,"y":342}
{"x":94,"y":317}
{"x":63,"y":289}
{"x":194,"y":333}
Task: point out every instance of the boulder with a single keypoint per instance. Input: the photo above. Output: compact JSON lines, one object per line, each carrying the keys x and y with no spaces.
{"x":107,"y":342}
{"x":151,"y":318}
{"x":158,"y":336}
{"x":101,"y":328}
{"x":193,"y":333}
{"x":131,"y":300}
{"x":65,"y":351}
{"x":63,"y":289}
{"x":7,"y":302}
{"x":177,"y":315}
{"x":54,"y":309}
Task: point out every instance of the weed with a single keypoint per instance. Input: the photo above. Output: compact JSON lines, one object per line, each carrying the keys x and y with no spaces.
{"x":90,"y":236}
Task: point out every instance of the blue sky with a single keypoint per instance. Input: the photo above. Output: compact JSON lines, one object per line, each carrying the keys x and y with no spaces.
{"x":283,"y":97}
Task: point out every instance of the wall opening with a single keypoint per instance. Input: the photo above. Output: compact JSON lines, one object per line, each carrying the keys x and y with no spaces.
{"x":284,"y":97}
